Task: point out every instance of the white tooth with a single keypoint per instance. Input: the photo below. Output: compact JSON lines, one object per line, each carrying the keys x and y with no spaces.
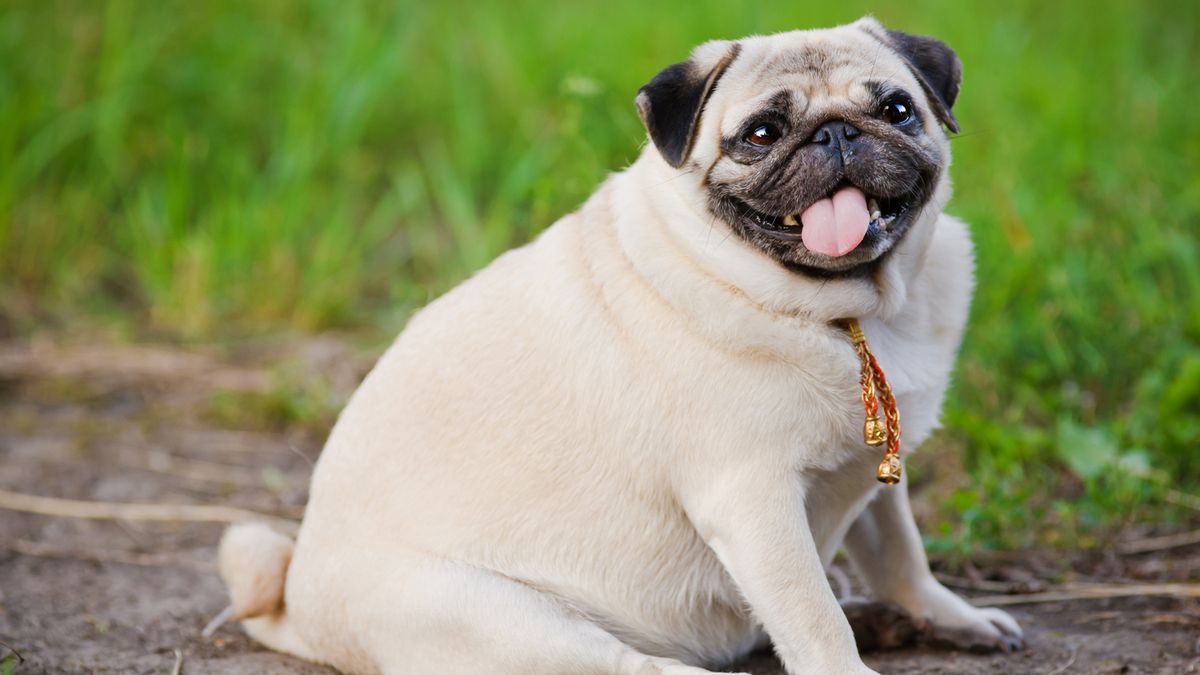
{"x":875,"y":214}
{"x":790,"y":221}
{"x":872,"y":205}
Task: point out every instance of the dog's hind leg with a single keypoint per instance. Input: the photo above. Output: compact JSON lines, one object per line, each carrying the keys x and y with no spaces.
{"x":435,"y":616}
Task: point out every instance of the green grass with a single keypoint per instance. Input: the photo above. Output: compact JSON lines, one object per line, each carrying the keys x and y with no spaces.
{"x":221,"y":169}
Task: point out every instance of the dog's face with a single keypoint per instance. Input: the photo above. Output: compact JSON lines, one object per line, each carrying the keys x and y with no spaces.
{"x":821,"y":148}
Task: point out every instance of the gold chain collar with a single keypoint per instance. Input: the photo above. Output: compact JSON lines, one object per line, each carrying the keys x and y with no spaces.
{"x":876,"y":393}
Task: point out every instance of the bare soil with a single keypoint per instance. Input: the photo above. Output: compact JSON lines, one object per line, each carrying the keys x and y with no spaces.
{"x":241,"y":428}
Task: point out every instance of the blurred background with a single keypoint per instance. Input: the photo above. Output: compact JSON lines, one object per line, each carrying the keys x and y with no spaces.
{"x":210,"y":175}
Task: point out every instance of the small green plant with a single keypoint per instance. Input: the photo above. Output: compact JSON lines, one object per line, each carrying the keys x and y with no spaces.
{"x":295,"y":397}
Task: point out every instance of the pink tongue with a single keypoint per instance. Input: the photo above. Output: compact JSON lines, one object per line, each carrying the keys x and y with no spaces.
{"x":835,"y":226}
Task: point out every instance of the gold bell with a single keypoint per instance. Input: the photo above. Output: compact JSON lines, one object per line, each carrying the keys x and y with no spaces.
{"x":888,"y":472}
{"x":874,"y":432}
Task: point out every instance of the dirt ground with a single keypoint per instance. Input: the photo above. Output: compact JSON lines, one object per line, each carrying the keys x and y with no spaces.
{"x":159,"y":425}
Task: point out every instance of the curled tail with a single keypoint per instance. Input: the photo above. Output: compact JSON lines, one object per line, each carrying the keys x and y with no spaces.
{"x":253,"y":561}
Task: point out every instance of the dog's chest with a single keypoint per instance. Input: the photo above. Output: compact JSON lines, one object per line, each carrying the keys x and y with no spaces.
{"x":801,"y":397}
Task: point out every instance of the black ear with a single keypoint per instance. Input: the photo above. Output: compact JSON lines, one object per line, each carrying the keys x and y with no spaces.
{"x":670,"y":105}
{"x":937,"y":69}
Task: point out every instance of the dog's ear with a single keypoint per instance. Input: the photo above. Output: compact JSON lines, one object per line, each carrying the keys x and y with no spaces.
{"x":936,"y":67}
{"x":670,"y":105}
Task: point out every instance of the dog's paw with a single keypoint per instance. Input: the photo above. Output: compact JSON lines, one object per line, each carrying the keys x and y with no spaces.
{"x":981,"y":638}
{"x":951,"y":622}
{"x":879,"y":625}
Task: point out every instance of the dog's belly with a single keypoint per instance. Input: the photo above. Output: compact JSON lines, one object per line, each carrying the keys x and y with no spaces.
{"x":650,"y":580}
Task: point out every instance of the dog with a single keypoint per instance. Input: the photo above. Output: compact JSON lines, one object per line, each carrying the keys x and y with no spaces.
{"x":635,"y":444}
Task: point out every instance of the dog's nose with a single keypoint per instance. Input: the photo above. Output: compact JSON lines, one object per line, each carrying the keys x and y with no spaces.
{"x":838,"y":138}
{"x":835,"y":132}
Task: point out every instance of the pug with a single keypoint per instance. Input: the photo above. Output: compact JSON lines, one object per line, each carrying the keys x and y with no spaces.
{"x":635,"y":444}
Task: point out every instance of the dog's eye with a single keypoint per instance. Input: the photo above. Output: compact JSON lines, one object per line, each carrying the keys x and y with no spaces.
{"x":764,"y":135}
{"x":897,"y":111}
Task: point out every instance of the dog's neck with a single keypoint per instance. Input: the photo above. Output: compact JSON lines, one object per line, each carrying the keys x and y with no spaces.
{"x":693,"y":259}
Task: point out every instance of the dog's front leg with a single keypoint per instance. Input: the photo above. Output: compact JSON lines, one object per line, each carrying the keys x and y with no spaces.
{"x":886,"y":551}
{"x":757,"y":526}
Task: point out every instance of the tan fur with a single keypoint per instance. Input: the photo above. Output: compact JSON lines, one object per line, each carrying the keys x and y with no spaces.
{"x":253,"y":560}
{"x":632,"y":445}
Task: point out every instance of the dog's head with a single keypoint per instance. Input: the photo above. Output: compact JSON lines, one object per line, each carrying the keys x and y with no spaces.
{"x":821,"y":148}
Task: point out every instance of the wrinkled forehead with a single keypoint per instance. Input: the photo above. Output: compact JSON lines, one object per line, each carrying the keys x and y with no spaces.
{"x":816,"y":70}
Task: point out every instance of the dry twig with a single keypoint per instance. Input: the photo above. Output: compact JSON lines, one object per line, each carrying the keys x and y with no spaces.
{"x":42,"y":550}
{"x":1071,"y":592}
{"x":217,"y":621}
{"x":976,"y":584}
{"x":1160,"y":543}
{"x":15,"y":652}
{"x":1179,"y":498}
{"x":196,"y":513}
{"x":197,"y":470}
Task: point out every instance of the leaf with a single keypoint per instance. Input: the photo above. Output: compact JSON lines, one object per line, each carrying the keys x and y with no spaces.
{"x":1136,"y":463}
{"x":1087,"y":451}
